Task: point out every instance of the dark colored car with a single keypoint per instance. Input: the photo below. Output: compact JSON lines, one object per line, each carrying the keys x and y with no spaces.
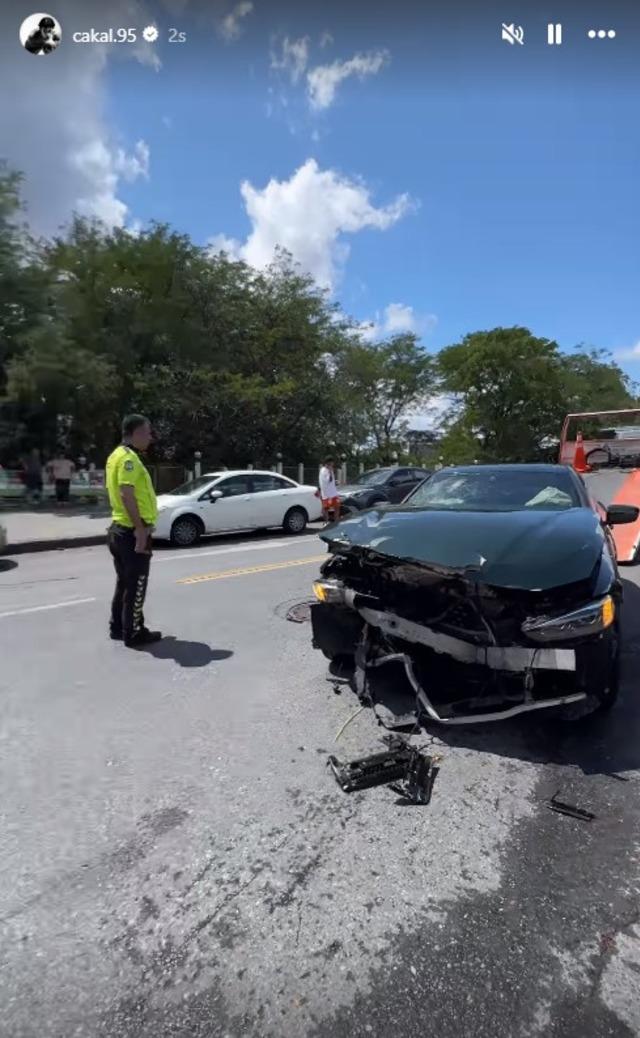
{"x":492,"y":590}
{"x":378,"y":486}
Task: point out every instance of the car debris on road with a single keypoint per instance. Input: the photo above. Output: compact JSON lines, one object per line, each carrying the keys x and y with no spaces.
{"x":562,"y":808}
{"x":405,"y":769}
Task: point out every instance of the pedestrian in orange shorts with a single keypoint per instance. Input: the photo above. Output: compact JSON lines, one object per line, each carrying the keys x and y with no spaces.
{"x":329,"y":492}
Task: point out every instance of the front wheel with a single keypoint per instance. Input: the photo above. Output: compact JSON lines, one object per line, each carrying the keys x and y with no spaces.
{"x":609,"y":695}
{"x":599,"y":702}
{"x":185,"y":533}
{"x":295,"y":521}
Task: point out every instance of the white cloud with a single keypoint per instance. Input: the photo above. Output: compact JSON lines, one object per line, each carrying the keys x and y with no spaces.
{"x":396,"y":318}
{"x":134,"y":165}
{"x":326,"y":40}
{"x":631,"y":353}
{"x":231,"y":26}
{"x":86,"y":164}
{"x":308,"y":215}
{"x":221,"y":243}
{"x":101,"y":168}
{"x":441,"y":407}
{"x":324,"y":80}
{"x":293,"y":59}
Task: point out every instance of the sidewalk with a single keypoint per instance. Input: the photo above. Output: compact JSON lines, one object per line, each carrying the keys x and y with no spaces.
{"x":48,"y":528}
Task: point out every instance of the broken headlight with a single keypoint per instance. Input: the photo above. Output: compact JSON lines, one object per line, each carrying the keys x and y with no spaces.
{"x":590,"y":619}
{"x":331,"y":592}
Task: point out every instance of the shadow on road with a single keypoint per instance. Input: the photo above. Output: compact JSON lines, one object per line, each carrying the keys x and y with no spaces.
{"x":602,"y":744}
{"x":187,"y":654}
{"x":7,"y":564}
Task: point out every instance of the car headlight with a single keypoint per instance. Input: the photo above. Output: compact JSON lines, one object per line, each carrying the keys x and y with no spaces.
{"x":330,"y":592}
{"x":580,"y":623}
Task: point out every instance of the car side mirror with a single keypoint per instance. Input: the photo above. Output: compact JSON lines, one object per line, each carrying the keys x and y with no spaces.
{"x":215,"y":495}
{"x":619,"y":515}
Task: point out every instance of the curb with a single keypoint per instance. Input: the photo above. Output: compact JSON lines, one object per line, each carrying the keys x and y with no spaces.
{"x":58,"y":544}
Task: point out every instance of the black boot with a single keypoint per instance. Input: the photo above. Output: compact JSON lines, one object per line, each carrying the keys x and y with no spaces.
{"x":143,"y":637}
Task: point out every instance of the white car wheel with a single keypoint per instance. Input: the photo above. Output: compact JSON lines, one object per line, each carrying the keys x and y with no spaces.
{"x":185,"y":532}
{"x":295,"y":521}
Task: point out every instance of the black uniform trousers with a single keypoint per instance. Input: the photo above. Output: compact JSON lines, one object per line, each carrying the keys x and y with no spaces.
{"x":132,"y":576}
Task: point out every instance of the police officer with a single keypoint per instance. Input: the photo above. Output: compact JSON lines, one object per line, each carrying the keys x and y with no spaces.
{"x":134,"y":512}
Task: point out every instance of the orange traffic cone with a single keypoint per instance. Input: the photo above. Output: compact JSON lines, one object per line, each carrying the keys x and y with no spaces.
{"x":579,"y":459}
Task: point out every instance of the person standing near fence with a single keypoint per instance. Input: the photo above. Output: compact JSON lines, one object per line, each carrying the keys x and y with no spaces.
{"x":329,"y":491}
{"x":62,"y":469}
{"x":33,"y":476}
{"x":134,"y":512}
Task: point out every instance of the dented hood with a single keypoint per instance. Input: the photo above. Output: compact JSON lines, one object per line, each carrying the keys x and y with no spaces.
{"x":528,"y":550}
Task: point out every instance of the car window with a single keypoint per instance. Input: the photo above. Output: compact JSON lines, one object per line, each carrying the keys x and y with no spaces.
{"x":234,"y":486}
{"x":373,"y":477}
{"x":497,"y":491}
{"x":194,"y":485}
{"x":262,"y":483}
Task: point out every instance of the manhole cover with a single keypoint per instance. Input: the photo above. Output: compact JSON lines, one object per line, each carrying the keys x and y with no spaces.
{"x":300,"y":613}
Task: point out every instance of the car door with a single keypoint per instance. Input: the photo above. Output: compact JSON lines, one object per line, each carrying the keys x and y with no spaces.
{"x":232,"y":511}
{"x":400,"y":484}
{"x":272,"y":497}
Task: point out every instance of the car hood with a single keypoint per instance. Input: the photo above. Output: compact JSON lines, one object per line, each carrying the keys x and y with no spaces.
{"x":351,"y":489}
{"x":172,"y":500}
{"x":531,"y":551}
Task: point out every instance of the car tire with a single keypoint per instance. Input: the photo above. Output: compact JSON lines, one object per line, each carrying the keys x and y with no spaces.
{"x":597,"y":705}
{"x":347,"y":509}
{"x":609,"y":695}
{"x":185,"y":532}
{"x":295,"y":521}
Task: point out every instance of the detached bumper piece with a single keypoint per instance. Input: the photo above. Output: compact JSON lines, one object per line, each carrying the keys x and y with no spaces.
{"x":405,"y":769}
{"x":562,"y":808}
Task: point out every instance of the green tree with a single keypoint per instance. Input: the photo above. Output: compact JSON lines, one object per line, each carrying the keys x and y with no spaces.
{"x":57,"y":377}
{"x":511,"y":389}
{"x":24,"y":303}
{"x":384,"y":385}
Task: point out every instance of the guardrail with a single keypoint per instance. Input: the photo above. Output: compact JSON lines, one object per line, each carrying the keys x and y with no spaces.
{"x":83,"y":484}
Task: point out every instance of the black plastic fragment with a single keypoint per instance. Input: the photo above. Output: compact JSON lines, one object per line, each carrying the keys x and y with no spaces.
{"x":569,"y":809}
{"x":403,"y":768}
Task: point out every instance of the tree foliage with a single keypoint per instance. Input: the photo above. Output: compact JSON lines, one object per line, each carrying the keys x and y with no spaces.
{"x":242,"y":364}
{"x":514,"y":389}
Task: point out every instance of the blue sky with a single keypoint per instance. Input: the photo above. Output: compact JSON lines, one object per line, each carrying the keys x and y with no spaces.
{"x":463,"y":182}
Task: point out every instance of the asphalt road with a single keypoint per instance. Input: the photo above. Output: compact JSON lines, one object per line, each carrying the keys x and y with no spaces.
{"x":176,"y":859}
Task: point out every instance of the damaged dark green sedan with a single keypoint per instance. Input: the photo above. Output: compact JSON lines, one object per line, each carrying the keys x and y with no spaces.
{"x":492,"y":590}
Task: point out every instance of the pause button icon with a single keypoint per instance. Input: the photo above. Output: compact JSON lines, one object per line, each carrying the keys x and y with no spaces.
{"x":554,"y":34}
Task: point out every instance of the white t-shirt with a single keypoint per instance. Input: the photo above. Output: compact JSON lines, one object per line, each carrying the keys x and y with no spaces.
{"x":62,"y":468}
{"x":328,"y":487}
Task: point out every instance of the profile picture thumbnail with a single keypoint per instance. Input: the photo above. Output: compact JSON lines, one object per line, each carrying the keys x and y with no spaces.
{"x":40,"y":33}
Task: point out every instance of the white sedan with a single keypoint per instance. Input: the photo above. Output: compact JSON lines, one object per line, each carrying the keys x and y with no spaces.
{"x":223,"y":502}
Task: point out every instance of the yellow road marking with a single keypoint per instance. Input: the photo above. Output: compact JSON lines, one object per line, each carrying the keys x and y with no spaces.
{"x":267,"y":567}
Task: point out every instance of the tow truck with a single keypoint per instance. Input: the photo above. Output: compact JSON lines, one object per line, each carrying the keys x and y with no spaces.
{"x":604,"y":447}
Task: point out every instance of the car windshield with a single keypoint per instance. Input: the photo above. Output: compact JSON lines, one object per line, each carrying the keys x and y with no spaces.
{"x":493,"y":490}
{"x":194,"y":485}
{"x":373,"y":477}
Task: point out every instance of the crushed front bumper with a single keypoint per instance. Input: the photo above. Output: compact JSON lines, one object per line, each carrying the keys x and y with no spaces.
{"x":456,"y":681}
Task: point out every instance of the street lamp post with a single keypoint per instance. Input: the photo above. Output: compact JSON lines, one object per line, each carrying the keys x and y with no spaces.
{"x":197,"y":463}
{"x":279,"y":463}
